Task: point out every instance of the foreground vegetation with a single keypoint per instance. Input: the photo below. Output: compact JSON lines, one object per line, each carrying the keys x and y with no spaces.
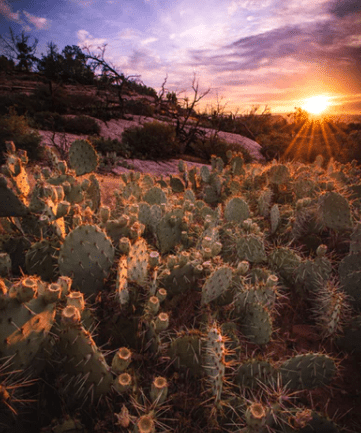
{"x":178,"y":310}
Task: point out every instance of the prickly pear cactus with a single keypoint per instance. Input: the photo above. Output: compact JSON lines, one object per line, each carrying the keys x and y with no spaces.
{"x":214,"y":360}
{"x":307,"y":371}
{"x":334,"y":211}
{"x":236,"y":210}
{"x":216,"y":284}
{"x":137,"y":262}
{"x":83,"y":157}
{"x":169,"y":230}
{"x":86,"y":256}
{"x":251,"y":248}
{"x":83,"y":360}
{"x":27,"y":316}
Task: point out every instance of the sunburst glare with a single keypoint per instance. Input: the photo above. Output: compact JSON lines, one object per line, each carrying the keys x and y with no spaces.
{"x":316,"y":104}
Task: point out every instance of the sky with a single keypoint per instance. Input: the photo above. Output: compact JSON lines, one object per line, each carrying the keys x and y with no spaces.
{"x":273,"y":53}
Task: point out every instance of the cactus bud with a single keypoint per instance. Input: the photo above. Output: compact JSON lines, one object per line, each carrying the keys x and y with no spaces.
{"x":62,"y":167}
{"x":242,"y":268}
{"x":161,"y":294}
{"x":52,"y":293}
{"x":76,"y":299}
{"x":26,"y":289}
{"x":255,"y":415}
{"x":216,"y":248}
{"x":161,"y":323}
{"x":153,"y":259}
{"x":70,"y":316}
{"x":65,"y":284}
{"x":321,"y":250}
{"x":124,"y":245}
{"x":183,"y":259}
{"x":104,"y":214}
{"x":145,"y":424}
{"x":159,"y":390}
{"x":121,"y":360}
{"x":122,"y":383}
{"x":153,"y":305}
{"x":272,"y":281}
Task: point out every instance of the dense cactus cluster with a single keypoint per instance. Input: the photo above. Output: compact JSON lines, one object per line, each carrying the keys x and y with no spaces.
{"x":164,"y":312}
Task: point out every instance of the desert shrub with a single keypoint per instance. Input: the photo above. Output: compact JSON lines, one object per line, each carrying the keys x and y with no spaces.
{"x":353,"y":147}
{"x":107,"y":145}
{"x":16,"y":128}
{"x":22,"y":103}
{"x":139,"y":108}
{"x":80,"y":102}
{"x":47,"y":121}
{"x":274,"y":144}
{"x":153,"y":140}
{"x":81,"y":125}
{"x":217,"y":146}
{"x":58,"y":102}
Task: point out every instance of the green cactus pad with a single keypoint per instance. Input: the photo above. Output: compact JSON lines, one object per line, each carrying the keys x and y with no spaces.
{"x":23,"y":333}
{"x":83,"y":157}
{"x":253,"y":372}
{"x":251,"y":248}
{"x":169,"y":230}
{"x":335,"y":212}
{"x":137,"y":262}
{"x":307,"y":371}
{"x":11,"y":204}
{"x":256,"y":324}
{"x":186,"y":351}
{"x":216,"y":284}
{"x":82,"y":358}
{"x":236,"y":210}
{"x":86,"y":256}
{"x":41,"y":260}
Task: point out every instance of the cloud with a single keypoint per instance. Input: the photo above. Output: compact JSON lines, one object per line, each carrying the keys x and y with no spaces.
{"x":5,"y":10}
{"x":345,"y":7}
{"x":86,"y":39}
{"x":39,"y":23}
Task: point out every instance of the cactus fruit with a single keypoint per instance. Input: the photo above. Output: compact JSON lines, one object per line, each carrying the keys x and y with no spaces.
{"x":86,"y":255}
{"x":307,"y":371}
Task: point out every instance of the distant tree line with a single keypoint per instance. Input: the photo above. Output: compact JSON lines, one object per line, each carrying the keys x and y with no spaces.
{"x":68,"y":67}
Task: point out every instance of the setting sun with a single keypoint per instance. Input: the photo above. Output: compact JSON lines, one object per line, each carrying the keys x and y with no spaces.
{"x":316,"y":104}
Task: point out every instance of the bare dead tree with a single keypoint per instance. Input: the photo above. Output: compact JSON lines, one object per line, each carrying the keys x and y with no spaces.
{"x":186,"y":133}
{"x":120,"y":80}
